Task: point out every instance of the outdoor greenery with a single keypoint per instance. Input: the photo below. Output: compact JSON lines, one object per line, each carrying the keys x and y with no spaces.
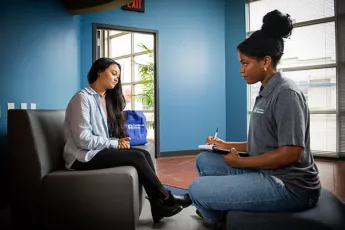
{"x":146,"y":73}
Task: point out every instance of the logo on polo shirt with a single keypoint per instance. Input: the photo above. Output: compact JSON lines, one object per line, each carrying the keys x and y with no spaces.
{"x":258,"y":110}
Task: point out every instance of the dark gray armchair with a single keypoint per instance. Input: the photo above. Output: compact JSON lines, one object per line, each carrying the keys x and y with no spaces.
{"x":47,"y":196}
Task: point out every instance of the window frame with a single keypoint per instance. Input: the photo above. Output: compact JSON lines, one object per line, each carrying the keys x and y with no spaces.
{"x":132,"y":55}
{"x":311,"y":67}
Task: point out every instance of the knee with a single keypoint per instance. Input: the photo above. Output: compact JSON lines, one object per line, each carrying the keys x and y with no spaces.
{"x":194,"y":189}
{"x":143,"y":151}
{"x":146,"y":153}
{"x":137,"y":155}
{"x":202,"y":159}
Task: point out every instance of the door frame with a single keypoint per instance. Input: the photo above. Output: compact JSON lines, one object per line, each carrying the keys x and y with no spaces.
{"x":95,"y":27}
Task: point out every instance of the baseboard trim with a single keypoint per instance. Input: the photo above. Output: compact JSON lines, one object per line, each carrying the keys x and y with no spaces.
{"x":181,"y":153}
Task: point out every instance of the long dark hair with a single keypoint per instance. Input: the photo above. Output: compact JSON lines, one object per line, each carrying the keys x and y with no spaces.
{"x":114,"y":98}
{"x":269,"y":40}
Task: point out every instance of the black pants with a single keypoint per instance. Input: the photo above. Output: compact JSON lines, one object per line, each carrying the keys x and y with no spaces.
{"x":138,"y":158}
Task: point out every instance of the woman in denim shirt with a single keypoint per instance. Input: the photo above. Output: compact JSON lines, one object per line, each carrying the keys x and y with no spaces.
{"x":96,"y":138}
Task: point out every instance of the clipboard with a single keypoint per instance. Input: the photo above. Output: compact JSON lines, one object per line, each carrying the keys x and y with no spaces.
{"x":215,"y":149}
{"x":219,"y":150}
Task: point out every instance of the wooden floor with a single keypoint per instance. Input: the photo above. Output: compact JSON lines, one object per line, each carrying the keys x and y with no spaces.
{"x":180,"y":172}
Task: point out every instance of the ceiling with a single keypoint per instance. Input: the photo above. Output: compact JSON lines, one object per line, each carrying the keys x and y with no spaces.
{"x":91,"y":6}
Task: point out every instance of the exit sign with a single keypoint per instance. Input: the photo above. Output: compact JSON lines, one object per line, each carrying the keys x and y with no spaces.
{"x":137,"y":5}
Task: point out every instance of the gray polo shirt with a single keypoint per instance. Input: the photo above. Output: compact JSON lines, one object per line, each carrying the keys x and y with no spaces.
{"x":280,"y":118}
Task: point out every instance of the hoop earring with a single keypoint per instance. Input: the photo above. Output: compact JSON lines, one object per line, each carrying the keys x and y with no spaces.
{"x":265,"y":69}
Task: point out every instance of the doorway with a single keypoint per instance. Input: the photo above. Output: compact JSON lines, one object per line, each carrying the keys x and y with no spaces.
{"x":136,"y":51}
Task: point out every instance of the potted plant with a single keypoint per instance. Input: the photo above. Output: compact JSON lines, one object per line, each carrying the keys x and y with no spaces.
{"x":146,"y":73}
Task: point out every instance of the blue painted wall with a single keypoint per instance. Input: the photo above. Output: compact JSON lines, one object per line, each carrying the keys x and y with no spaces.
{"x":46,"y":54}
{"x":236,"y":88}
{"x":191,"y":70}
{"x":40,"y":52}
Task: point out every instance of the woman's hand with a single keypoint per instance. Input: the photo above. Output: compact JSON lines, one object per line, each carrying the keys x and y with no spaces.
{"x":123,"y":143}
{"x":210,"y":140}
{"x":232,"y":158}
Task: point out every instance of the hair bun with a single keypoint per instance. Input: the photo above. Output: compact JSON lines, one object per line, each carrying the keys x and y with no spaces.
{"x":277,"y":24}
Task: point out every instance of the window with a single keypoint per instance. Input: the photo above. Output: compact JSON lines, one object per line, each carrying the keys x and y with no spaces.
{"x":317,"y":9}
{"x":310,"y":59}
{"x":134,"y":52}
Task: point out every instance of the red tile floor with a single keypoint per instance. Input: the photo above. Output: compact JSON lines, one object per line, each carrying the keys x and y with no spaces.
{"x":180,"y":171}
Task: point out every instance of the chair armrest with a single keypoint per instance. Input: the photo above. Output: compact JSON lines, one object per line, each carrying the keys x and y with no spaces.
{"x":107,"y":197}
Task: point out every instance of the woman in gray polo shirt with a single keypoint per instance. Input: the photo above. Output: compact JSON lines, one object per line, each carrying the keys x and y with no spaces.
{"x":279,"y":173}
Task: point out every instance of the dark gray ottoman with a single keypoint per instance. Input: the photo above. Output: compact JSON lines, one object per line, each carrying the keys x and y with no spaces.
{"x":329,"y":214}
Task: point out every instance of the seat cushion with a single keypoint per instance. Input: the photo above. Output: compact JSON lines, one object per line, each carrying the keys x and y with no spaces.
{"x":329,"y":214}
{"x":149,"y":146}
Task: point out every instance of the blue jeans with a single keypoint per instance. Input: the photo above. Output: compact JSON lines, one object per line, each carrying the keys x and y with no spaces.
{"x":221,"y":188}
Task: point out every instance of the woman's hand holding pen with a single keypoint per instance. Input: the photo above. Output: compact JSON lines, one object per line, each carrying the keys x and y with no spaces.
{"x":232,"y":158}
{"x":210,"y":140}
{"x":123,"y":143}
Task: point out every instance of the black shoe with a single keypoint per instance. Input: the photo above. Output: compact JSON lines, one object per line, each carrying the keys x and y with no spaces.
{"x":183,"y":200}
{"x":219,"y":226}
{"x":160,"y":210}
{"x":199,"y":214}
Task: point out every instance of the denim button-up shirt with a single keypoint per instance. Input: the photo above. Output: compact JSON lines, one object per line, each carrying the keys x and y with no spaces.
{"x":85,"y":128}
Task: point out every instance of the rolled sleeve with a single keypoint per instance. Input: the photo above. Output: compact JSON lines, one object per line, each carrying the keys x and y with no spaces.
{"x":291,"y":118}
{"x":114,"y":143}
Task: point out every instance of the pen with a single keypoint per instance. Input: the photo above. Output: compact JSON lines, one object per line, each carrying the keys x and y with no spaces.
{"x":215,"y":135}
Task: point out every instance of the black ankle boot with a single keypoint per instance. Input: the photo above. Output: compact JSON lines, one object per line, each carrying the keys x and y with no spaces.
{"x":160,"y":210}
{"x":199,"y":214}
{"x":183,"y":200}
